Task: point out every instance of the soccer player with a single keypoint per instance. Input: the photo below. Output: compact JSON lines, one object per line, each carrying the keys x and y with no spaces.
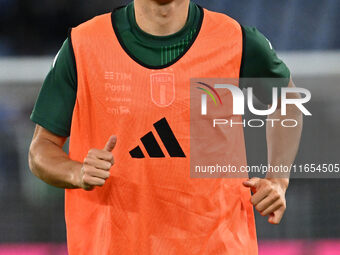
{"x":120,"y":86}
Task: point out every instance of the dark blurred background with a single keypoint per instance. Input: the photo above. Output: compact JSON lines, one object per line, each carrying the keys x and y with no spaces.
{"x":305,"y":33}
{"x":38,"y":27}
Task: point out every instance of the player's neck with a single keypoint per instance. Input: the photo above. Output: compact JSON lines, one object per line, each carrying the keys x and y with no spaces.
{"x":161,"y":17}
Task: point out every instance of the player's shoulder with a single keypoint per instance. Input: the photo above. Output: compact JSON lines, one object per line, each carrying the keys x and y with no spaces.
{"x":253,"y":34}
{"x":92,"y":31}
{"x":257,"y":38}
{"x":256,"y":43}
{"x":259,"y":56}
{"x":218,"y":19}
{"x":94,"y":23}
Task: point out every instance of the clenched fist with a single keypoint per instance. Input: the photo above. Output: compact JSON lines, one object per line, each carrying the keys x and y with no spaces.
{"x":268,"y":198}
{"x":96,"y":166}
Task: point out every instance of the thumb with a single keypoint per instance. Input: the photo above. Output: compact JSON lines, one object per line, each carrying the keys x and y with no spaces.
{"x":252,"y":183}
{"x":111,"y":143}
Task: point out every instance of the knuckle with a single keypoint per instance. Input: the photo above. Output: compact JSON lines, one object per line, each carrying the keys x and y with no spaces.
{"x":87,"y":170}
{"x":276,"y":196}
{"x":85,"y":179}
{"x":87,"y":160}
{"x":282,"y":204}
{"x":108,"y":155}
{"x":264,"y":182}
{"x":275,"y":192}
{"x":267,"y":189}
{"x":84,"y":169}
{"x":101,"y":182}
{"x":108,"y":165}
{"x":107,"y":175}
{"x":257,"y":179}
{"x":94,"y":153}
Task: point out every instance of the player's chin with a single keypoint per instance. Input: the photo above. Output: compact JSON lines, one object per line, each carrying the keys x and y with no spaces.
{"x":165,"y":1}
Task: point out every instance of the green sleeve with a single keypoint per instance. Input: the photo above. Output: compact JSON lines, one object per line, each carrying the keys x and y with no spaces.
{"x":260,"y":61}
{"x":54,"y":107}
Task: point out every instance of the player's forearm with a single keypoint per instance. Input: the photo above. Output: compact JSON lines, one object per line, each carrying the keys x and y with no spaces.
{"x":283,"y":142}
{"x":51,"y":164}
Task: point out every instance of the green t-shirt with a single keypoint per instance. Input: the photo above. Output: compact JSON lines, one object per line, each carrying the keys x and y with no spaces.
{"x":54,"y":107}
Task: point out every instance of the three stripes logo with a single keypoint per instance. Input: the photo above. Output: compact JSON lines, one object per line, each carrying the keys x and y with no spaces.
{"x":152,"y":147}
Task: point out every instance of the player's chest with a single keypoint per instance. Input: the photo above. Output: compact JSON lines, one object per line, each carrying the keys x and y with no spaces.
{"x":127,"y":93}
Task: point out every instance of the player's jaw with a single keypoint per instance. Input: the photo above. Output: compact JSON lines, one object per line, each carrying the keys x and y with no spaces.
{"x":161,"y":2}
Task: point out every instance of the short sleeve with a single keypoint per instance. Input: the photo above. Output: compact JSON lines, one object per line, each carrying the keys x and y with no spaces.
{"x":261,"y":61}
{"x":54,"y":107}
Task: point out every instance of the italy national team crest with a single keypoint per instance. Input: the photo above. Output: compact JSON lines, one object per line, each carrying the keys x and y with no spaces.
{"x":162,"y":88}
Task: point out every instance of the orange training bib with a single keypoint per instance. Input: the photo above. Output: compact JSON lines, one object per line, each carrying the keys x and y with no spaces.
{"x":150,"y":205}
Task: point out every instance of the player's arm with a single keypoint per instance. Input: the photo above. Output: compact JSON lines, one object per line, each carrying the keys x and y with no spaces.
{"x":282,"y":145}
{"x":50,"y":163}
{"x":283,"y":142}
{"x":261,"y":61}
{"x":52,"y":114}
